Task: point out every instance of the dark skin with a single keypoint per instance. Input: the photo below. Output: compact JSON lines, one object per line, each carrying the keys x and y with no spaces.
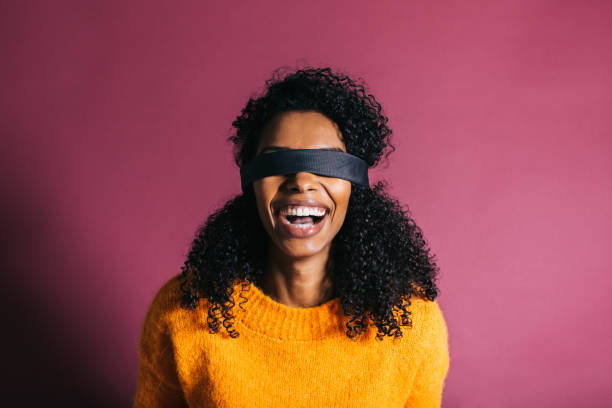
{"x":298,"y":270}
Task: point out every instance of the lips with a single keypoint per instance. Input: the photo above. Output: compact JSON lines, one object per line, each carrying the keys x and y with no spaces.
{"x":300,"y":230}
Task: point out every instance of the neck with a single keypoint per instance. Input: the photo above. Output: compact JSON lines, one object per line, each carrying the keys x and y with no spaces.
{"x":300,"y":283}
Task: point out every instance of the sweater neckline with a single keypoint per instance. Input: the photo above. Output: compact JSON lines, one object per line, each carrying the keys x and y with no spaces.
{"x":266,"y":316}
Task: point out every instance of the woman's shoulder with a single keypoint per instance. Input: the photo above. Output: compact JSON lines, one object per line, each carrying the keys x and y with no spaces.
{"x":166,"y":303}
{"x":428,"y":311}
{"x":168,"y":295}
{"x":427,"y":319}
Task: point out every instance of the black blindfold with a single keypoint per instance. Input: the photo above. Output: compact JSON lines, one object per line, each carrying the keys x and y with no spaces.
{"x":326,"y":163}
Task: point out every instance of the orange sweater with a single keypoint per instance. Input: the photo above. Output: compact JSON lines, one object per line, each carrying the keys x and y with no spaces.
{"x":286,"y":357}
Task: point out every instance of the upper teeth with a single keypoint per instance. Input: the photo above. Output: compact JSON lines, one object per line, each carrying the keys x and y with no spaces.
{"x":303,"y":211}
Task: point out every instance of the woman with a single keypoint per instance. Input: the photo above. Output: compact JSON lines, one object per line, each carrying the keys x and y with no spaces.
{"x":324,"y":287}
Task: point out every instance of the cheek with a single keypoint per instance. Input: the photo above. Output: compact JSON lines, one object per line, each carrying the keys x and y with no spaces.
{"x":264,"y":190}
{"x":261,"y":199}
{"x":341,"y":193}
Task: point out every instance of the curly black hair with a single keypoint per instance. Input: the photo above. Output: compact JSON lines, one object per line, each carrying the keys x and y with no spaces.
{"x":380,"y":256}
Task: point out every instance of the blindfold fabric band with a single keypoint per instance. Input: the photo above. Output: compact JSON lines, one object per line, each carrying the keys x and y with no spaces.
{"x":328,"y":163}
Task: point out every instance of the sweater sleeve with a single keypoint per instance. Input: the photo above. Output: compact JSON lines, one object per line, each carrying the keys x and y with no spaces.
{"x":158,"y":384}
{"x":431,"y":374}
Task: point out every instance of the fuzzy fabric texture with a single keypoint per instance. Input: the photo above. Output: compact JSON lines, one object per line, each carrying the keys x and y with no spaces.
{"x":286,"y":357}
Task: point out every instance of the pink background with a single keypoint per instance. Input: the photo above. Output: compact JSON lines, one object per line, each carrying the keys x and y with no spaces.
{"x":114,"y":117}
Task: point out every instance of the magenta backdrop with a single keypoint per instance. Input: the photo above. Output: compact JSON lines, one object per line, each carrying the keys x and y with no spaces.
{"x":114,"y":123}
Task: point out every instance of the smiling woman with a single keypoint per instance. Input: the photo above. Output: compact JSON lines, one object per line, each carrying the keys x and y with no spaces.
{"x":296,"y":273}
{"x":309,"y":270}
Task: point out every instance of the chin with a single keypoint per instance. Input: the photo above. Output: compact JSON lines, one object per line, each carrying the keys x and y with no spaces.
{"x":301,"y":250}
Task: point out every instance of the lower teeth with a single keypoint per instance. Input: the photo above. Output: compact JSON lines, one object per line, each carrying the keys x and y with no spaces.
{"x":310,"y":224}
{"x":302,"y":225}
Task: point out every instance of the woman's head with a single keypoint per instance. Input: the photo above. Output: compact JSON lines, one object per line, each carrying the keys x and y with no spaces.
{"x":308,"y":109}
{"x":379,"y":254}
{"x":281,"y":198}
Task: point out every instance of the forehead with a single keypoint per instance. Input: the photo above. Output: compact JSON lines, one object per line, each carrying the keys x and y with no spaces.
{"x":301,"y":130}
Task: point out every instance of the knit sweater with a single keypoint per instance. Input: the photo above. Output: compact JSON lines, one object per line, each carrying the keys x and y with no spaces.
{"x":286,"y":357}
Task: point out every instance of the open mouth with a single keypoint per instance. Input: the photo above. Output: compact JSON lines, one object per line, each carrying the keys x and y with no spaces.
{"x":302,"y":226}
{"x":309,"y":220}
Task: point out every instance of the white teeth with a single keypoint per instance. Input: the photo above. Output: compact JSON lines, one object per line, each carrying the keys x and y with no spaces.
{"x":302,"y":211}
{"x":302,"y":225}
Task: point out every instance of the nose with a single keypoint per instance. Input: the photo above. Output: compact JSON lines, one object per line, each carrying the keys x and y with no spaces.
{"x":302,"y":181}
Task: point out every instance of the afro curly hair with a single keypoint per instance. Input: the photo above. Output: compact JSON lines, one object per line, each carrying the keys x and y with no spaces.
{"x":380,"y":257}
